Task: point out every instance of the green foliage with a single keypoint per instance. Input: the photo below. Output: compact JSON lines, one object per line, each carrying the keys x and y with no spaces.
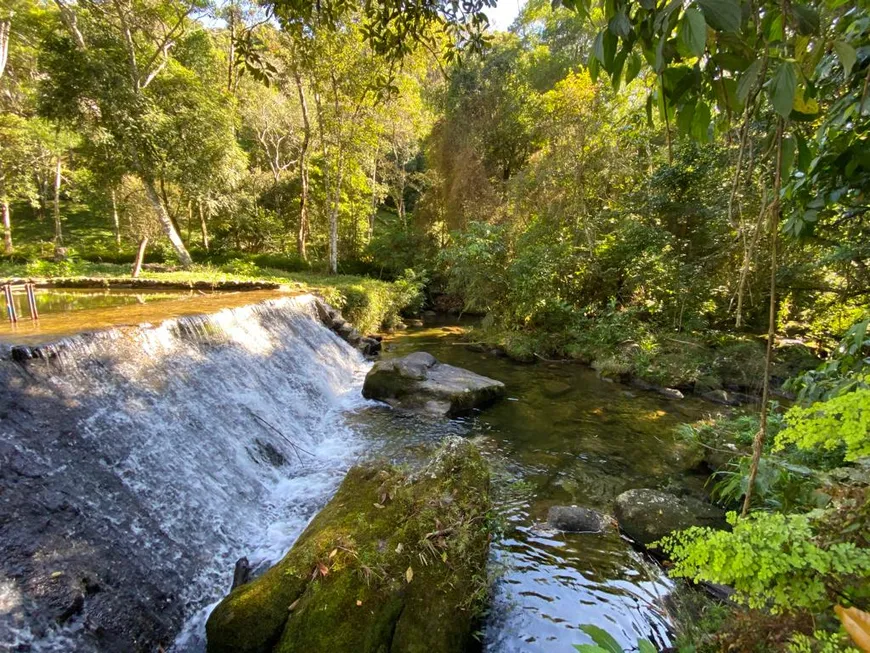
{"x":772,"y":561}
{"x":604,"y":642}
{"x":840,"y":422}
{"x":821,"y":641}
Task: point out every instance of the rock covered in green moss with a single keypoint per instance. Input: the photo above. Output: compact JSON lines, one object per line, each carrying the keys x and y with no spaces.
{"x":647,"y":515}
{"x":393,"y":563}
{"x":418,"y":382}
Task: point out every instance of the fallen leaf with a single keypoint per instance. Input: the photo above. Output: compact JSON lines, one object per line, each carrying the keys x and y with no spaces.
{"x":293,"y":605}
{"x":323,"y":569}
{"x":857,"y":624}
{"x":400,"y":547}
{"x":409,"y":575}
{"x":56,"y":574}
{"x":358,"y":603}
{"x":378,"y":506}
{"x":333,"y":553}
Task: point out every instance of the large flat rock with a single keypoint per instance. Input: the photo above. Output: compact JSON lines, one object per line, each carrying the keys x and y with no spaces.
{"x":419,"y":383}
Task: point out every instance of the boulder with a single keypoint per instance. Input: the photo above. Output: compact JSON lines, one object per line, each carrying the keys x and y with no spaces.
{"x":555,"y":389}
{"x":394,"y":562}
{"x":419,"y":383}
{"x":577,"y":519}
{"x":728,"y":398}
{"x":647,"y":515}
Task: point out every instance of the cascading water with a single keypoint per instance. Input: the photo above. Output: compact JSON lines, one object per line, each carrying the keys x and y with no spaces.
{"x":137,"y":465}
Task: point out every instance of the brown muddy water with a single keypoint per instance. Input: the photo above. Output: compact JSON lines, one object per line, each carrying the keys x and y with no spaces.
{"x":67,"y":311}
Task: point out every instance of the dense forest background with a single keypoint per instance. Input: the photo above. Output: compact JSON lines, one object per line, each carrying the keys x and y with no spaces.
{"x":671,"y":192}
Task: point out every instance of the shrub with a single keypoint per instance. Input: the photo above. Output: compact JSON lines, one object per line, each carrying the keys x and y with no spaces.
{"x":771,"y":560}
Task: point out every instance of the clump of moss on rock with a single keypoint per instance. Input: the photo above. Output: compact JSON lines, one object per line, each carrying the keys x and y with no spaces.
{"x":394,"y":562}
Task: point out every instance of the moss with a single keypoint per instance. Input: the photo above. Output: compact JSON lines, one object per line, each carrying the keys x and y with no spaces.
{"x":347,"y":578}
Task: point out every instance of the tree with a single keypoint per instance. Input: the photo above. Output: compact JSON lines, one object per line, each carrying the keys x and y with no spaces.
{"x":17,"y":155}
{"x":103,"y":78}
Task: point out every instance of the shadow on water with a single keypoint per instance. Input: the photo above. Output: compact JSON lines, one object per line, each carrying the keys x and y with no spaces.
{"x":562,"y":436}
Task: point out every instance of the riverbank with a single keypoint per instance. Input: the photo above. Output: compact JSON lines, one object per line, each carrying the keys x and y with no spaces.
{"x":722,"y":367}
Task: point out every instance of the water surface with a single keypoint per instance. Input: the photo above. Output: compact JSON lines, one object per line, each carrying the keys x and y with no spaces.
{"x":562,"y":436}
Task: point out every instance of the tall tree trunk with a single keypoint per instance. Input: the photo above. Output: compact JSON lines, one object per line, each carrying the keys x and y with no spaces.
{"x":166,"y":222}
{"x":116,"y":222}
{"x":374,"y":212}
{"x":140,"y":257}
{"x":58,"y":228}
{"x":7,"y":228}
{"x":203,"y":228}
{"x":5,"y":27}
{"x":302,"y":234}
{"x":761,"y":436}
{"x":333,"y":218}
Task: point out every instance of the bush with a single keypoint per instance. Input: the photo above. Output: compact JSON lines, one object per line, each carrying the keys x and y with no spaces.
{"x":771,"y":560}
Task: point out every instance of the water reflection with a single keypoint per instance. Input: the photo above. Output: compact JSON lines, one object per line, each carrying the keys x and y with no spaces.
{"x":563,"y":437}
{"x":64,"y":312}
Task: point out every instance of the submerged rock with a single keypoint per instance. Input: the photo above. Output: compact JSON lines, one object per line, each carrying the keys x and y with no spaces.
{"x":728,"y":398}
{"x":648,"y":515}
{"x":420,"y":383}
{"x":392,"y":563}
{"x":577,"y":519}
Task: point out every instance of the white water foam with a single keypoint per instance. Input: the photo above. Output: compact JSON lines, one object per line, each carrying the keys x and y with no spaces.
{"x":227,"y":431}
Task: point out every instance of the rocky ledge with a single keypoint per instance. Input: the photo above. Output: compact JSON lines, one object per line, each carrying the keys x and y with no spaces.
{"x":394,"y":562}
{"x":419,"y":383}
{"x":332,"y":320}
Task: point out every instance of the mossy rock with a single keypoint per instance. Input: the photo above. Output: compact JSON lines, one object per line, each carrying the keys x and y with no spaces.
{"x":393,"y":563}
{"x":419,"y":383}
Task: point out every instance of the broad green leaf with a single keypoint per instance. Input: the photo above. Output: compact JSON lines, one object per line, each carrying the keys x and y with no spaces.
{"x":593,"y":67}
{"x":782,"y":88}
{"x":602,"y":638}
{"x":684,"y":119}
{"x":620,"y":25}
{"x":610,"y":42}
{"x":645,"y":646}
{"x":721,"y":15}
{"x":589,"y":648}
{"x":649,"y":111}
{"x":633,"y":66}
{"x":806,"y":19}
{"x":774,"y":30}
{"x":660,"y":55}
{"x":804,"y":104}
{"x":747,"y":81}
{"x":701,"y":122}
{"x":693,"y":31}
{"x":846,"y":54}
{"x":616,"y":74}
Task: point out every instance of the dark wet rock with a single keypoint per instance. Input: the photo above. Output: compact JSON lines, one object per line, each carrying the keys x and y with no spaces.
{"x":414,"y":322}
{"x":420,"y":383}
{"x":332,"y":319}
{"x":728,"y":398}
{"x":241,"y":573}
{"x":555,"y":389}
{"x":478,"y":347}
{"x":647,"y":515}
{"x":430,"y":314}
{"x":394,"y":562}
{"x":670,"y":393}
{"x":369,"y":346}
{"x":721,"y":456}
{"x":791,"y":358}
{"x":577,"y":519}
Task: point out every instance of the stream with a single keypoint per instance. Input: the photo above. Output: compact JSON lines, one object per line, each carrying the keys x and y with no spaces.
{"x":561,"y":437}
{"x":138,"y":464}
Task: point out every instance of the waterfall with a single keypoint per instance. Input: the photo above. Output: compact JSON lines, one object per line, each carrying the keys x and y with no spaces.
{"x":138,"y":464}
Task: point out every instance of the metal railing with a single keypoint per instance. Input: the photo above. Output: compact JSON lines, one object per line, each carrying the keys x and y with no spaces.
{"x":11,"y":312}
